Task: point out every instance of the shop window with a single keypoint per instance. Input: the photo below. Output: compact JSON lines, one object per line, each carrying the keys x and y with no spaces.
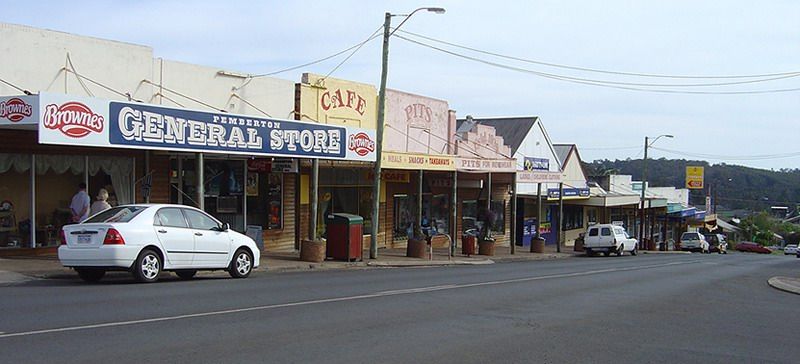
{"x":404,"y":211}
{"x":435,"y":214}
{"x":471,"y":216}
{"x":265,"y":200}
{"x":436,"y":210}
{"x":573,"y":218}
{"x":344,"y":190}
{"x":591,"y":216}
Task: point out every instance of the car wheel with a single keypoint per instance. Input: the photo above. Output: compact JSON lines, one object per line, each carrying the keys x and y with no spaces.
{"x":634,"y":252}
{"x":241,"y":265}
{"x":186,"y":273}
{"x":590,"y":253}
{"x":147,"y":266}
{"x":91,"y":275}
{"x":606,"y":253}
{"x":620,"y":250}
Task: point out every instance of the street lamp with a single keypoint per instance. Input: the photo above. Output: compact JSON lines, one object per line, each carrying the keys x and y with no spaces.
{"x":647,"y":144}
{"x":376,"y":186}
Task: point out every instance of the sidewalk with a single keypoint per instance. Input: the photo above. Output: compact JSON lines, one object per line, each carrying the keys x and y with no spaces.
{"x":788,"y":284}
{"x":20,"y":269}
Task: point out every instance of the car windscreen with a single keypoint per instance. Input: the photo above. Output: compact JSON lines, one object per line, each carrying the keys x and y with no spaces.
{"x":117,"y":214}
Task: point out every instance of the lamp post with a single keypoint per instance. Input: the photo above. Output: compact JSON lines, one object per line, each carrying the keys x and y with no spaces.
{"x":376,"y":186}
{"x":647,"y":144}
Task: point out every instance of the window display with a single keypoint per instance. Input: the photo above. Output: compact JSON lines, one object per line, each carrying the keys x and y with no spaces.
{"x":265,"y":200}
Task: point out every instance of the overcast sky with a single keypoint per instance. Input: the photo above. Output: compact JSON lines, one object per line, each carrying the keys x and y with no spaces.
{"x":703,"y":38}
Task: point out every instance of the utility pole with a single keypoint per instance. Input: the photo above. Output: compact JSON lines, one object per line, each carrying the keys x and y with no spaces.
{"x":376,"y":186}
{"x":644,"y":187}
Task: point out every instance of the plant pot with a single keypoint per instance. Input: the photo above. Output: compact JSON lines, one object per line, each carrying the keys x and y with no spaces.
{"x":416,"y":248}
{"x":486,"y":247}
{"x":537,"y":245}
{"x":312,"y":251}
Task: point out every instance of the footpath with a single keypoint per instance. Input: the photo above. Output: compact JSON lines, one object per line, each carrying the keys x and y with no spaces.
{"x":15,"y":270}
{"x":788,"y":284}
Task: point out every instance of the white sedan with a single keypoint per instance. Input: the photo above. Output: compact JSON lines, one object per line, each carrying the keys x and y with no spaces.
{"x":790,"y":249}
{"x":148,"y":239}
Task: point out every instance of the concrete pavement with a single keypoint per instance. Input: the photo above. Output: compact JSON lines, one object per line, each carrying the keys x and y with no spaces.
{"x":788,"y":284}
{"x":20,"y":269}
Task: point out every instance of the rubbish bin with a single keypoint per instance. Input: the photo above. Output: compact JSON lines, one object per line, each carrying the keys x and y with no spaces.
{"x":468,"y":244}
{"x":579,"y":243}
{"x":344,"y":236}
{"x":537,"y":245}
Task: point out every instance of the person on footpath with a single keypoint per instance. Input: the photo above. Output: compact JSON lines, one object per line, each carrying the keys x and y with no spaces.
{"x":101,"y":204}
{"x":80,"y":204}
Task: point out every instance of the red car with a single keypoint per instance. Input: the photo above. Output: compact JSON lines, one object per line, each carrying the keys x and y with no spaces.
{"x":747,"y":246}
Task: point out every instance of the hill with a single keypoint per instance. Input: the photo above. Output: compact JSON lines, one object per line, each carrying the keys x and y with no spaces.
{"x":737,"y":187}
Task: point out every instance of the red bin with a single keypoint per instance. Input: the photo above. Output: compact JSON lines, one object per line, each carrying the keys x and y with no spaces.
{"x":468,"y":244}
{"x":344,"y":237}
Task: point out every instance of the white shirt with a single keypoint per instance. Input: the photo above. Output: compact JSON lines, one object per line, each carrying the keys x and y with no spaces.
{"x":98,"y":206}
{"x":80,"y":202}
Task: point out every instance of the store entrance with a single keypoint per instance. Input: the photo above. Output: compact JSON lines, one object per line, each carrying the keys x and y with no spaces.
{"x":223,"y":189}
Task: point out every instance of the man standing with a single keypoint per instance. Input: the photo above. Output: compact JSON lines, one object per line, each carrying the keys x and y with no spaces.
{"x":80,"y":204}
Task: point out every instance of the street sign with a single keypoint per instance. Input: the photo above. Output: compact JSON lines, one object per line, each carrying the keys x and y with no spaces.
{"x":694,"y":177}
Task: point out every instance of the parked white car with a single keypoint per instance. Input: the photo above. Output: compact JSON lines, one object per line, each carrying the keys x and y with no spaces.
{"x":790,"y":249}
{"x":148,"y":239}
{"x":608,"y":238}
{"x":694,"y":241}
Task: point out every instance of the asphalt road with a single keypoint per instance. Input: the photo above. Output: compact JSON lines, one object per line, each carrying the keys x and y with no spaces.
{"x":645,"y":309}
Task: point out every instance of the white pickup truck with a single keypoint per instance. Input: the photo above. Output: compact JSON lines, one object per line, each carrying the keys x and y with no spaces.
{"x":608,"y":238}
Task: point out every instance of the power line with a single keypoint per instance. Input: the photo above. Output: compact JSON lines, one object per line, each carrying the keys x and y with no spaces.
{"x":371,"y":37}
{"x":359,"y":45}
{"x":599,"y":70}
{"x":729,"y":157}
{"x":15,"y":87}
{"x":599,"y":83}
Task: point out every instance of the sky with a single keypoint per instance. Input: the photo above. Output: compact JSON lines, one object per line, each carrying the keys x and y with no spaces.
{"x":667,"y":38}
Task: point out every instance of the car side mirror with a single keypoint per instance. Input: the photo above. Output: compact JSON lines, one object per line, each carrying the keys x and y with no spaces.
{"x":225,"y":226}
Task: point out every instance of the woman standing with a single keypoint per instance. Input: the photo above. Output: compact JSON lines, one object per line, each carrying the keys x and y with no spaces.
{"x":100,"y":204}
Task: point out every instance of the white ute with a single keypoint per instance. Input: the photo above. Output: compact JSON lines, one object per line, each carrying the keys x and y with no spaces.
{"x":608,"y":238}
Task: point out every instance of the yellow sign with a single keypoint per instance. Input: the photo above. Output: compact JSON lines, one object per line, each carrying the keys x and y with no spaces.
{"x":329,"y":100}
{"x":392,"y":160}
{"x":694,"y":177}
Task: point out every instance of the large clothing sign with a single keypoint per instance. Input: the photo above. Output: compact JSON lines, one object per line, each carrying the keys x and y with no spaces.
{"x":95,"y":122}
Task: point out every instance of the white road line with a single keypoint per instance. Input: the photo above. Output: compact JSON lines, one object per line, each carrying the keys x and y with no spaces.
{"x":336,"y":299}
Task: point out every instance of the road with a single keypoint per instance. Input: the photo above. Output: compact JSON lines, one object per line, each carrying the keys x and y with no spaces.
{"x":644,"y":309}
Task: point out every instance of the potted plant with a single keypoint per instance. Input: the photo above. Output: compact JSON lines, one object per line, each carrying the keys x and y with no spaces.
{"x":486,"y":242}
{"x":416,"y":243}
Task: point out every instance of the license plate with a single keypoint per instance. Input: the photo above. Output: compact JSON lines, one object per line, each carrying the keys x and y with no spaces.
{"x":84,"y":239}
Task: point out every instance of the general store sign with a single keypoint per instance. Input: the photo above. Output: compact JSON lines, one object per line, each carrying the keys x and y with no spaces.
{"x":488,"y":165}
{"x":71,"y":120}
{"x":19,"y":110}
{"x":418,"y":161}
